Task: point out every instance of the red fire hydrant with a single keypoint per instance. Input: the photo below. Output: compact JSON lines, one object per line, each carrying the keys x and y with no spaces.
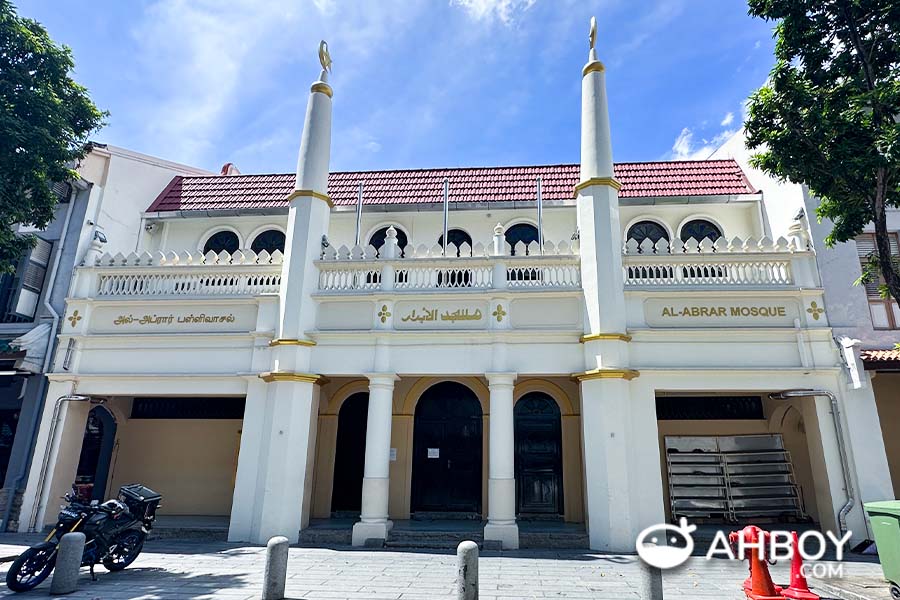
{"x":799,"y":590}
{"x":759,"y":585}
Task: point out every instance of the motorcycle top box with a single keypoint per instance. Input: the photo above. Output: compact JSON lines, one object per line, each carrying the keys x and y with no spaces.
{"x":141,"y":501}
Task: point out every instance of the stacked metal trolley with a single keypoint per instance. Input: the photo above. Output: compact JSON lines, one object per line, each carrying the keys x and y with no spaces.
{"x":732,"y":478}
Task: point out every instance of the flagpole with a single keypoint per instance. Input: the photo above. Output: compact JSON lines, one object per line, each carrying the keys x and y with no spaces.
{"x":540,"y":211}
{"x":359,"y":201}
{"x":446,"y":210}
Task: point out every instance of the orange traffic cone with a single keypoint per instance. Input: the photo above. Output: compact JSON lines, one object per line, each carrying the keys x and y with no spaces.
{"x":799,"y":589}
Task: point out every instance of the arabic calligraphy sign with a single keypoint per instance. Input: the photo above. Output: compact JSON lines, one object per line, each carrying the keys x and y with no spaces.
{"x":440,"y":315}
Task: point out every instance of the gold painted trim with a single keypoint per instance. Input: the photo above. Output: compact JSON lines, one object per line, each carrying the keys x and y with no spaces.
{"x":627,"y":374}
{"x":593,"y":337}
{"x":594,"y":65}
{"x":611,"y":182}
{"x":322,"y":87}
{"x":270,"y":376}
{"x":299,"y":193}
{"x":290,"y":342}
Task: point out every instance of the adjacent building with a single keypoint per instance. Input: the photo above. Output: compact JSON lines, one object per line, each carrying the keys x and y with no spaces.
{"x":99,"y":207}
{"x":621,"y":355}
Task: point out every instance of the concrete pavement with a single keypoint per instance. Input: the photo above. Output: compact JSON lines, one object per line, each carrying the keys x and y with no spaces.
{"x":183,"y":570}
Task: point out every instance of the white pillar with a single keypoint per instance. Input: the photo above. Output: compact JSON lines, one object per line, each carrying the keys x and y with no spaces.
{"x":607,"y":470}
{"x":501,"y":523}
{"x":54,"y":463}
{"x":373,"y":521}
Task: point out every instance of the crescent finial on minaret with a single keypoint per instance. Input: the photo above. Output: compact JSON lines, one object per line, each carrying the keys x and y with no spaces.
{"x":324,"y":57}
{"x":593,"y":34}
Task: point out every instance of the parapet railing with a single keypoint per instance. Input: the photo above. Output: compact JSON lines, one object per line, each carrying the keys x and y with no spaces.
{"x":464,"y":268}
{"x":721,"y":263}
{"x":243,"y":273}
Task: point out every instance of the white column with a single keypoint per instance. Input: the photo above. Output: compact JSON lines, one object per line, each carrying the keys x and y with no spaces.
{"x":275,"y":465}
{"x":501,"y":523}
{"x":373,"y":520}
{"x":54,"y":463}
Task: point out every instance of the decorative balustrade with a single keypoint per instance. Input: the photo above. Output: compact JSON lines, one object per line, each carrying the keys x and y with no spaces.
{"x":723,"y":263}
{"x":464,"y":267}
{"x":720,"y":264}
{"x":243,"y":273}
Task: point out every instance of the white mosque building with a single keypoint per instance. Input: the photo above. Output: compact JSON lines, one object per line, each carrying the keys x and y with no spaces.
{"x":271,"y":358}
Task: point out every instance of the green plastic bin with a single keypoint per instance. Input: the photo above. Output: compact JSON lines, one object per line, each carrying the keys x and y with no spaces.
{"x":885,"y":520}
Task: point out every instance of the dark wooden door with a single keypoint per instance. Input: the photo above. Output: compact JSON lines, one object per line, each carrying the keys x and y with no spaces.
{"x":539,"y":489}
{"x":447,"y":447}
{"x":350,"y":454}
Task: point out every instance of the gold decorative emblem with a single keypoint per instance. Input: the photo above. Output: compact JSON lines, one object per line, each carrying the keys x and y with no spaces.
{"x":384,"y":313}
{"x":74,"y":318}
{"x":499,"y":313}
{"x":815,"y":310}
{"x":324,"y":57}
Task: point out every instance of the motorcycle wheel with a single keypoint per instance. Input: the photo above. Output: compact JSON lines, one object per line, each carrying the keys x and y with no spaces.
{"x":128,"y":545}
{"x":31,"y":568}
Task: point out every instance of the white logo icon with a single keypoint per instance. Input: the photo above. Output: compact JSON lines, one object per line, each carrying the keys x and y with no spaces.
{"x":666,"y":546}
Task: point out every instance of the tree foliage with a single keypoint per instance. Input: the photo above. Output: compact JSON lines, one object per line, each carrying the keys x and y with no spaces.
{"x":829,"y":115}
{"x":45,"y":121}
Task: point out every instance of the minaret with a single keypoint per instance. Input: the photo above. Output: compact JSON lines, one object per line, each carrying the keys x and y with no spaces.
{"x":310,"y":209}
{"x":598,"y":206}
{"x":273,"y":485}
{"x":613,"y":416}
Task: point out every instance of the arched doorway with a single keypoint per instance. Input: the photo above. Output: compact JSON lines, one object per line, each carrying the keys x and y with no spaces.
{"x":447,"y":450}
{"x":96,"y":454}
{"x":350,"y":455}
{"x":539,"y":476}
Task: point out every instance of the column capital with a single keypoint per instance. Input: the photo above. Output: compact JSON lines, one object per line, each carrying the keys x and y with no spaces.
{"x":501,"y":378}
{"x":382,"y":379}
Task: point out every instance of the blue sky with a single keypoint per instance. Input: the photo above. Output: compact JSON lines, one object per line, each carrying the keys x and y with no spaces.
{"x":417,"y":83}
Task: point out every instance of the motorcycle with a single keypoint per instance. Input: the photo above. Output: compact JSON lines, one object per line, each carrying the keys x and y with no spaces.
{"x":115,"y":532}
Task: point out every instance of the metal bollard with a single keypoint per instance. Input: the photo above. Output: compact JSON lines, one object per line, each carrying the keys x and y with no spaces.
{"x":651,"y":582}
{"x":68,"y":564}
{"x":275,"y":575}
{"x":467,"y":571}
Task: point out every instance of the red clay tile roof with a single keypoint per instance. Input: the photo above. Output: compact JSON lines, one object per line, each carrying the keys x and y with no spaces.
{"x":881,"y":359}
{"x":479,"y":184}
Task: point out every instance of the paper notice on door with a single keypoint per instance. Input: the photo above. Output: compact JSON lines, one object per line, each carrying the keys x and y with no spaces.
{"x":393,"y":455}
{"x":434,"y":453}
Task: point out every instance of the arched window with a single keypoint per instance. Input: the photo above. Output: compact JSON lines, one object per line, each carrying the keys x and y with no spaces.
{"x":643,"y":230}
{"x":222,"y":240}
{"x":699,"y":229}
{"x":458,"y":237}
{"x":522,"y":232}
{"x":269,"y":240}
{"x":379,"y":236}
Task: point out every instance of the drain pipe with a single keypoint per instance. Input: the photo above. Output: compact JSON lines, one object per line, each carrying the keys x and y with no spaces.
{"x":45,"y":463}
{"x":842,"y":449}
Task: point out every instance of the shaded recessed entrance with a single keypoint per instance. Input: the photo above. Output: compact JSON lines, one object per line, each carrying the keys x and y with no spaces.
{"x":447,"y":450}
{"x":96,"y":454}
{"x":539,"y":478}
{"x":350,"y":455}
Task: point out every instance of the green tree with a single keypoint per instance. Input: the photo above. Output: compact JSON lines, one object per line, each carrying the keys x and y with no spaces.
{"x":828,"y":116}
{"x":45,"y":121}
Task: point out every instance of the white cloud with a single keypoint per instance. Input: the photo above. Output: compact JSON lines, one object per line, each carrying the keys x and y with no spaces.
{"x":200,"y":64}
{"x":488,"y":10}
{"x":727,"y":120}
{"x":685,"y":148}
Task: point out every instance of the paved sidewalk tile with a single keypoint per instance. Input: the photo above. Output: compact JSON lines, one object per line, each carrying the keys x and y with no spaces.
{"x":175,"y":570}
